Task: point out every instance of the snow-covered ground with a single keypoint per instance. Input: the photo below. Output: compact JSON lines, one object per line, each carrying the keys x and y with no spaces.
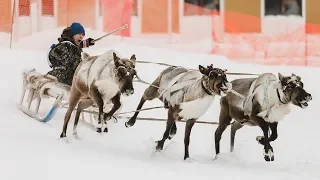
{"x":33,"y":150}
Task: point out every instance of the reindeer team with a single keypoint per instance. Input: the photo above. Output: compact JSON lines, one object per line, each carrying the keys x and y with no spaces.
{"x":187,"y":94}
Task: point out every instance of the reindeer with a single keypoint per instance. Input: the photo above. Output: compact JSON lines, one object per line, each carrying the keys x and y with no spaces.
{"x":100,"y":80}
{"x":187,"y":94}
{"x":267,"y":102}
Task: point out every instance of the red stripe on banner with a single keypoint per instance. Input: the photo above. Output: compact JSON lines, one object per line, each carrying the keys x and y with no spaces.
{"x":115,"y":14}
{"x":126,"y":17}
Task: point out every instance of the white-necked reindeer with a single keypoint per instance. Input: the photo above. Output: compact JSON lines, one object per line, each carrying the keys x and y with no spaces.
{"x":187,"y":94}
{"x":267,"y":103}
{"x":100,"y":80}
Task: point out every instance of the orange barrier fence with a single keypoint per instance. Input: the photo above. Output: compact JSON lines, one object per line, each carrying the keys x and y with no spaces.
{"x":235,"y":31}
{"x":272,"y":41}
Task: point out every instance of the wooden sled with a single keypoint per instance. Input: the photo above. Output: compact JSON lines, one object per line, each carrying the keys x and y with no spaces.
{"x":41,"y":87}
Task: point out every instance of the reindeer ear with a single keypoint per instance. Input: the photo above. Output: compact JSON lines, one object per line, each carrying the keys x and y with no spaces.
{"x":133,"y":57}
{"x":84,"y":56}
{"x":203,"y":70}
{"x":280,"y":76}
{"x":115,"y":57}
{"x":299,"y":78}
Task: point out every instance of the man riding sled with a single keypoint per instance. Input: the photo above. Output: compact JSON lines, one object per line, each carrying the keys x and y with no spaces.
{"x":65,"y":56}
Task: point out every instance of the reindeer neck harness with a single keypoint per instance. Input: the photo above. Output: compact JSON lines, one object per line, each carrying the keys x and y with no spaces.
{"x":205,"y":86}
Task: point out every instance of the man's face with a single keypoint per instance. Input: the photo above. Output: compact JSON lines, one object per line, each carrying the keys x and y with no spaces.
{"x":78,"y":38}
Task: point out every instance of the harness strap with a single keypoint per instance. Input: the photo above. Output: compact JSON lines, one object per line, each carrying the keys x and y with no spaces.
{"x":205,"y":89}
{"x":174,"y":85}
{"x":167,"y":91}
{"x":247,"y":106}
{"x":278,"y":94}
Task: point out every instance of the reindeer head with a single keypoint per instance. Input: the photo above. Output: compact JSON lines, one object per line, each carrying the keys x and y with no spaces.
{"x":292,"y":87}
{"x":124,"y":73}
{"x":216,"y":80}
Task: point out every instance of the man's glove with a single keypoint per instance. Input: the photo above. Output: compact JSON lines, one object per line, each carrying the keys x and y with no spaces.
{"x":90,"y":42}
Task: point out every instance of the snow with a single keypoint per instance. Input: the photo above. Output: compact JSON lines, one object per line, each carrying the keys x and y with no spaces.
{"x":33,"y":150}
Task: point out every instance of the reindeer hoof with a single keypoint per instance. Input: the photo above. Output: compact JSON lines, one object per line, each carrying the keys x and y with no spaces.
{"x":171,"y":136}
{"x":159,"y":145}
{"x":189,"y":160}
{"x":99,"y":130}
{"x":127,"y":124}
{"x":63,"y":135}
{"x":105,"y":130}
{"x":269,"y":156}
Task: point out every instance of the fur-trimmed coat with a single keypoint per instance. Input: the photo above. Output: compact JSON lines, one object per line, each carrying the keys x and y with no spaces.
{"x":65,"y":57}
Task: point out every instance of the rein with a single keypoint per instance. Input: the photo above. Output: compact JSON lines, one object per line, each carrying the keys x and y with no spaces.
{"x":170,"y":65}
{"x":157,"y":107}
{"x":144,"y":82}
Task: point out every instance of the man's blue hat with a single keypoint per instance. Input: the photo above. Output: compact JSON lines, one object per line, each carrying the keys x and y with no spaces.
{"x":77,"y":28}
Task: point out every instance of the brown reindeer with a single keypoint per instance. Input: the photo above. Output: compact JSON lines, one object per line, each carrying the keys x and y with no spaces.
{"x":188,"y":94}
{"x":100,"y":80}
{"x":267,"y":102}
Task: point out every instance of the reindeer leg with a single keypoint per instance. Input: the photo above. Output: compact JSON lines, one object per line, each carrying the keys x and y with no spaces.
{"x":99,"y":101}
{"x":149,"y":94}
{"x":170,"y":122}
{"x":273,"y":136}
{"x":83,"y":104}
{"x":73,"y":101}
{"x":133,"y":119}
{"x":116,"y":105}
{"x":224,"y":121}
{"x":234,"y":127}
{"x":173,"y":131}
{"x":268,"y":150}
{"x":189,"y":125}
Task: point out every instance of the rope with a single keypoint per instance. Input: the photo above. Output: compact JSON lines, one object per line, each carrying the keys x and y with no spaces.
{"x":160,"y":119}
{"x":145,"y":109}
{"x":170,"y":65}
{"x":144,"y":82}
{"x":157,"y":119}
